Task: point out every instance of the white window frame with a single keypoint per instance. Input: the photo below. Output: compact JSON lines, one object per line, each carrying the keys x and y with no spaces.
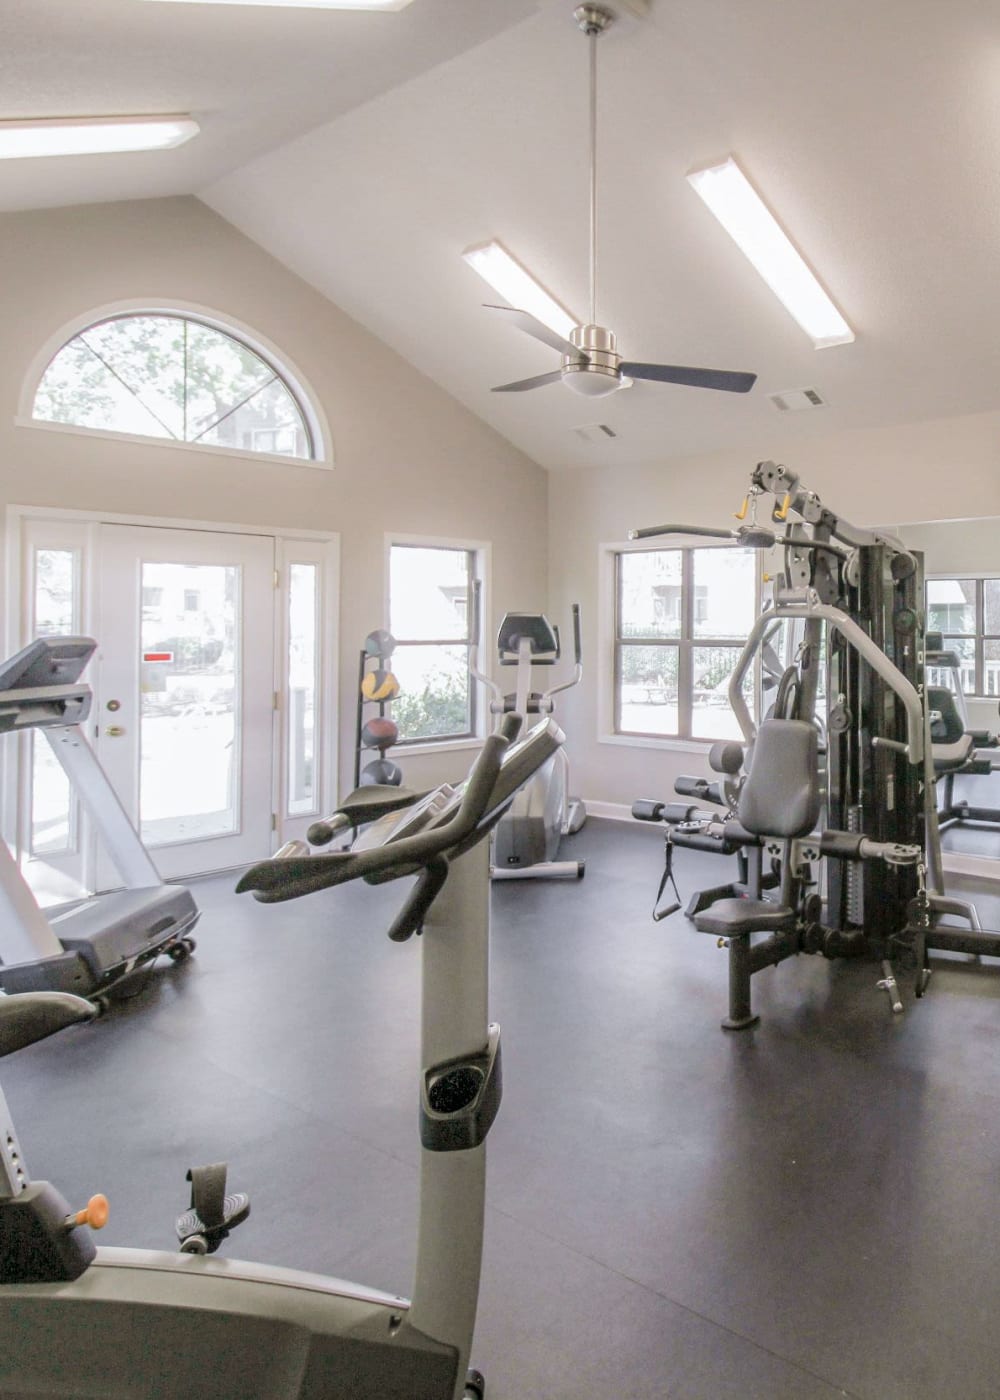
{"x":305,"y":396}
{"x":978,"y":637}
{"x":608,"y":553}
{"x":482,"y":572}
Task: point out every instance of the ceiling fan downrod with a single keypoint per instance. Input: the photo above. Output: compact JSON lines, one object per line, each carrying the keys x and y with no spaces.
{"x":593,"y":20}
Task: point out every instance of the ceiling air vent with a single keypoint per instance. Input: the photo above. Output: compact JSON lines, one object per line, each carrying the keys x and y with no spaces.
{"x":795,"y":400}
{"x":595,"y":432}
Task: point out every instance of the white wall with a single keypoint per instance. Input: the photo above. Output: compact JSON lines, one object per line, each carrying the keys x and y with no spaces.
{"x":945,"y":469}
{"x":408,"y":457}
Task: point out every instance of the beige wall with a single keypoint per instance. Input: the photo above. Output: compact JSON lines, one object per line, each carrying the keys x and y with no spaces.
{"x":946,"y":469}
{"x":408,"y":457}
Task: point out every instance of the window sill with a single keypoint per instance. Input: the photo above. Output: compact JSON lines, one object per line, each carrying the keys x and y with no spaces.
{"x":644,"y":741}
{"x":421,"y":747}
{"x":142,"y":440}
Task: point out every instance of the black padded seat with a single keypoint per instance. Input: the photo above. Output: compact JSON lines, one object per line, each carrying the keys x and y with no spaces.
{"x":729,"y":917}
{"x":949,"y":758}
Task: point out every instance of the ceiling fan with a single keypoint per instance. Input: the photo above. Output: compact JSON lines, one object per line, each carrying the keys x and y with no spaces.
{"x":591,"y":363}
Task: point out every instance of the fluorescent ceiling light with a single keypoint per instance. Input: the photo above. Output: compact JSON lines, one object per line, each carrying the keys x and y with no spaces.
{"x":517,"y":286}
{"x":308,"y":4}
{"x":743,"y":214}
{"x":85,"y":136}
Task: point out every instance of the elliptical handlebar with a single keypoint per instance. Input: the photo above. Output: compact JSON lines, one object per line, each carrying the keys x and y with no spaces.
{"x":272,"y":881}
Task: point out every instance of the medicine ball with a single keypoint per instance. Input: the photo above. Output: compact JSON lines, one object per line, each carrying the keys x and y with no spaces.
{"x":382,"y":772}
{"x":379,"y":685}
{"x":379,"y":734}
{"x":380,"y":643}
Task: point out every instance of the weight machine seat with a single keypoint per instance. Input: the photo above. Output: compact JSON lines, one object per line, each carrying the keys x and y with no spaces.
{"x":950,"y":758}
{"x":729,"y":917}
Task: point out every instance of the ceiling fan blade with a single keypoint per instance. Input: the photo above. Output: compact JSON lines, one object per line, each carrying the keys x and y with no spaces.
{"x":532,"y":326}
{"x":535,"y":383}
{"x":730,"y":380}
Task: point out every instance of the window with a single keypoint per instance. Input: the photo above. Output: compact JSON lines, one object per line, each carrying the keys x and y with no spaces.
{"x":172,"y":377}
{"x":966,"y":611}
{"x":430,"y":612}
{"x":682,"y":617}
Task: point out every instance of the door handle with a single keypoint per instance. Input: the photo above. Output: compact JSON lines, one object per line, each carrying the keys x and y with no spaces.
{"x":114,"y":731}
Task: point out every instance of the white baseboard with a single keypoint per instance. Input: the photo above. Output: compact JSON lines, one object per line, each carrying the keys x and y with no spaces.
{"x":615,"y":811}
{"x":979,"y":867}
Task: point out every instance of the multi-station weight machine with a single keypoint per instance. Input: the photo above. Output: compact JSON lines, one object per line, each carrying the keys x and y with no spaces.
{"x":847,"y":740}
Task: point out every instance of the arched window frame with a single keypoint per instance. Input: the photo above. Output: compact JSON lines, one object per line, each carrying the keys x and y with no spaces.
{"x":293,"y":378}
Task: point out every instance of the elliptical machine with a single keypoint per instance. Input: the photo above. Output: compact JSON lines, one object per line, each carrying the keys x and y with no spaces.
{"x":526,"y":841}
{"x":78,"y":1322}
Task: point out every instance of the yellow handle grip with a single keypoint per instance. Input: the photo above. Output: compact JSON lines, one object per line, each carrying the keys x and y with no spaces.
{"x":741,"y":514}
{"x":781,"y":512}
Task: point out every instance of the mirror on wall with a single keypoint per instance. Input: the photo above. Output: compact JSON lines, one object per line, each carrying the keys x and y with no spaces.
{"x":962,"y":573}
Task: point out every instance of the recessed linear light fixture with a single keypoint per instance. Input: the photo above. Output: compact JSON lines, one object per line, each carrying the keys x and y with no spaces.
{"x":306,"y":4}
{"x":745,"y":217}
{"x":517,"y":286}
{"x":86,"y":136}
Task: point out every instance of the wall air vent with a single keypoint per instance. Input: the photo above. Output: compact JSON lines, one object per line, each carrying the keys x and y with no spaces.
{"x":595,"y":432}
{"x":795,"y":400}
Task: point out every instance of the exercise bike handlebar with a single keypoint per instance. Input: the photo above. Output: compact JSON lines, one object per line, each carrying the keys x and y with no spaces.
{"x":272,"y":881}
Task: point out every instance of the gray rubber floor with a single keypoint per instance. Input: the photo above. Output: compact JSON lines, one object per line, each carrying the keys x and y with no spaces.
{"x":799,"y":1212}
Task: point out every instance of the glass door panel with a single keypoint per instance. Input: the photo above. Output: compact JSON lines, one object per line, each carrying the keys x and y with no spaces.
{"x":185,"y":705}
{"x":191,"y":688}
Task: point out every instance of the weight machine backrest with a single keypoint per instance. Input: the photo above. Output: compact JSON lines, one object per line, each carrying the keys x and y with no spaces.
{"x":781,"y":795}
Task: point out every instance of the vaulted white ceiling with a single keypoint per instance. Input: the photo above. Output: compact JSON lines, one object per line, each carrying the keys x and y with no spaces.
{"x":872,"y":130}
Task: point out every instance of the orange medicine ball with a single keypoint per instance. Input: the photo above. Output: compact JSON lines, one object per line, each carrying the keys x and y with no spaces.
{"x":379,"y":685}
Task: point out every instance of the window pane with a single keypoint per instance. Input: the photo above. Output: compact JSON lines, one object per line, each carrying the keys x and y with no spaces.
{"x":269,"y":421}
{"x":169,"y":377}
{"x":55,"y":613}
{"x":190,"y":716}
{"x":146,"y":353}
{"x":221,"y":373}
{"x":434,"y":691}
{"x":428,"y":593}
{"x":951,"y":605}
{"x":965,"y":650}
{"x":991,"y":606}
{"x":55,"y":592}
{"x":301,"y":688}
{"x":712,"y":716}
{"x":649,"y":593}
{"x":991,"y":669}
{"x":79,"y":388}
{"x":647,"y":690}
{"x":724,"y":592}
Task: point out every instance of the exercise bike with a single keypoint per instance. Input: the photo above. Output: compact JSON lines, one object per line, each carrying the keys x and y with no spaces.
{"x":83,"y":1322}
{"x":526,"y":841}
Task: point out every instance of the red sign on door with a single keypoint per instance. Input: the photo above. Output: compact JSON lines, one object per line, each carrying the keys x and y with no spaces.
{"x":157,"y":656}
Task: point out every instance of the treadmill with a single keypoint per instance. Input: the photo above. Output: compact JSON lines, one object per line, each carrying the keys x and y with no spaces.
{"x":104,"y":938}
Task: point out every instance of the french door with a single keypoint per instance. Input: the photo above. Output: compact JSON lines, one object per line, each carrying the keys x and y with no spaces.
{"x":214,"y":689}
{"x":184,"y":706}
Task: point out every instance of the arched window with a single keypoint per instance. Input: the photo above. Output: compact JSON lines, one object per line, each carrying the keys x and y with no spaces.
{"x":174,"y":377}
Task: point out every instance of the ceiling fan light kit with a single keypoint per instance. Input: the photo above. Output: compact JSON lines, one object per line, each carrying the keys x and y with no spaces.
{"x":592,"y":365}
{"x":84,"y":136}
{"x":755,"y":231}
